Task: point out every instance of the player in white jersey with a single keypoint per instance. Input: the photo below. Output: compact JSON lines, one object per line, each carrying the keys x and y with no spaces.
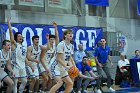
{"x":5,"y":59}
{"x":46,"y":57}
{"x":33,"y":55}
{"x":19,"y":58}
{"x":60,"y":66}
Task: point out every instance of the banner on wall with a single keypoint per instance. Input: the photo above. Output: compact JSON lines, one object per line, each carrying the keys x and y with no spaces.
{"x":2,"y":35}
{"x":7,"y":2}
{"x":38,"y":3}
{"x":63,"y":4}
{"x":97,"y":2}
{"x":138,"y":7}
{"x":86,"y":35}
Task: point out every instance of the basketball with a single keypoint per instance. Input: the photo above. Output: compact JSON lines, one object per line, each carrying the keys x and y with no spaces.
{"x":73,"y":72}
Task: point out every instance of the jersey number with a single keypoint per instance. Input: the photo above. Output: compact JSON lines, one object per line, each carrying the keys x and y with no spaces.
{"x":2,"y":64}
{"x":67,"y":58}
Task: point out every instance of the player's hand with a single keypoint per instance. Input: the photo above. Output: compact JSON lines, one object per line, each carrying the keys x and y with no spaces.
{"x":100,"y":65}
{"x":54,"y":24}
{"x":47,"y":70}
{"x":112,"y":64}
{"x":36,"y":61}
{"x":68,"y":67}
{"x":74,"y":65}
{"x":32,"y":69}
{"x":96,"y":77}
{"x":13,"y":74}
{"x":92,"y":78}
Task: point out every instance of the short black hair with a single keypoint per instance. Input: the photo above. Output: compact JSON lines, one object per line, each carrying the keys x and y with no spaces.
{"x":85,"y":57}
{"x":103,"y":38}
{"x":4,"y":42}
{"x":52,"y":36}
{"x":35,"y":36}
{"x":136,"y":51}
{"x":15,"y":35}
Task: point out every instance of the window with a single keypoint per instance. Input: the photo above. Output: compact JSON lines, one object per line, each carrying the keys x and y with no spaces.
{"x":97,"y":10}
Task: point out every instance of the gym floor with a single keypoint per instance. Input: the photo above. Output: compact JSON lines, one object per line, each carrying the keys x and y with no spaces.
{"x":119,"y":90}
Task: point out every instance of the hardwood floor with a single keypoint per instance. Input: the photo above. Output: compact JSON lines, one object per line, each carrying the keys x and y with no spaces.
{"x":118,"y":89}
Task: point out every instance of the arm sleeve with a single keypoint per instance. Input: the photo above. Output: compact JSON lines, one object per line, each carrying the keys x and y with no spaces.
{"x":88,"y":68}
{"x":79,"y":67}
{"x":119,"y":64}
{"x":96,"y":52}
{"x":127,"y":61}
{"x":60,"y":48}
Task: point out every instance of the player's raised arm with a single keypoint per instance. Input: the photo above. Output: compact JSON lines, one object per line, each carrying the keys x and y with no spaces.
{"x":56,"y":33}
{"x":11,"y":33}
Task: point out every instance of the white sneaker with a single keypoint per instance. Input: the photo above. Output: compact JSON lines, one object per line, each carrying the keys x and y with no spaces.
{"x":85,"y":91}
{"x":61,"y":92}
{"x":98,"y":91}
{"x":30,"y":91}
{"x":79,"y":91}
{"x":42,"y":92}
{"x":111,"y":89}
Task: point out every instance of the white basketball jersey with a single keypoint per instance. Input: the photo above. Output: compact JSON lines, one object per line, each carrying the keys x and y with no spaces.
{"x":36,"y":53}
{"x":50,"y":53}
{"x":66,"y":50}
{"x":4,"y":58}
{"x":19,"y":55}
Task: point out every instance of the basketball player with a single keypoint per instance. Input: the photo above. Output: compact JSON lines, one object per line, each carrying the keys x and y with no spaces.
{"x":18,"y":58}
{"x":33,"y":55}
{"x":47,"y":55}
{"x":5,"y":59}
{"x":59,"y":64}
